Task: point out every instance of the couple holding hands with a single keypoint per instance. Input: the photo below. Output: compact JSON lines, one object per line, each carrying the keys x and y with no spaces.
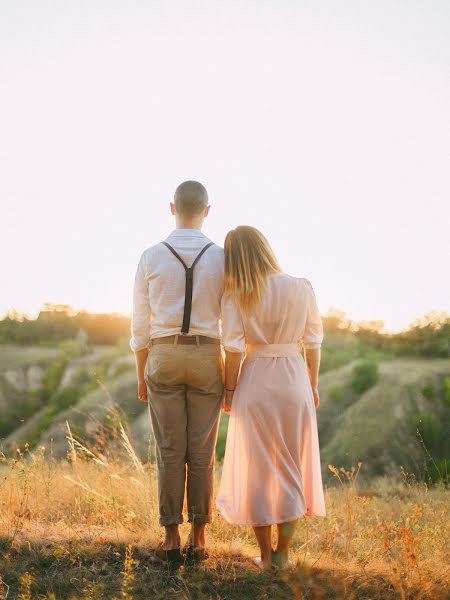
{"x":191,"y":297}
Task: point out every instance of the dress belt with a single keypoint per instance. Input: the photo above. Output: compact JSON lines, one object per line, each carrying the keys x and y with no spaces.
{"x":272,"y":350}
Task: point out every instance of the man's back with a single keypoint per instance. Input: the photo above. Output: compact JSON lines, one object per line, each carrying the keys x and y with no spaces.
{"x":159,"y":292}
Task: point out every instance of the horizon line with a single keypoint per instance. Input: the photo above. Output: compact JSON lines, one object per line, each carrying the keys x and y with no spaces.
{"x":332,"y":311}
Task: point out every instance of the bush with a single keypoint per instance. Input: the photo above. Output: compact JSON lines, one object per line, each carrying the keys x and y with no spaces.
{"x":430,"y":430}
{"x":428,"y":392}
{"x":365,"y":376}
{"x":336,"y":393}
{"x":222,"y":436}
{"x":52,"y":377}
{"x":446,"y":390}
{"x":442,"y":471}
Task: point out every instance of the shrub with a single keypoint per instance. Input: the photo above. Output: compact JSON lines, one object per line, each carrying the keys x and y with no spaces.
{"x":446,"y":390}
{"x":53,"y":376}
{"x":365,"y":376}
{"x":64,"y":399}
{"x":336,"y":393}
{"x":442,"y":468}
{"x":430,"y":431}
{"x":428,"y":391}
{"x":222,"y":436}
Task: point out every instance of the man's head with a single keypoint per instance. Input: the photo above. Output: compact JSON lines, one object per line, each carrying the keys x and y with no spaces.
{"x":190,"y":205}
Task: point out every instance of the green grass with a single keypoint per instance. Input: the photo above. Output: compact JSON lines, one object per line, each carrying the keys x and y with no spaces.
{"x":222,"y":436}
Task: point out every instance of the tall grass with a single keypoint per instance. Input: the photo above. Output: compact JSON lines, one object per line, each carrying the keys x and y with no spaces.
{"x":84,"y":528}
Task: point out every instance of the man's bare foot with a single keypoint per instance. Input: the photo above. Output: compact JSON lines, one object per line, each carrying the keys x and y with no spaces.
{"x":171,"y":539}
{"x":171,"y":557}
{"x":168,"y":544}
{"x":195,"y":546}
{"x":196,"y":537}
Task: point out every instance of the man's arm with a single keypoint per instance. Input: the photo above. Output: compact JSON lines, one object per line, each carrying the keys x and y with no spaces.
{"x":140,"y":327}
{"x":141,"y":361}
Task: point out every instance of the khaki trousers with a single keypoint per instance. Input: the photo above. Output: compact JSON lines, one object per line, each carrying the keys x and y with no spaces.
{"x":185,"y":387}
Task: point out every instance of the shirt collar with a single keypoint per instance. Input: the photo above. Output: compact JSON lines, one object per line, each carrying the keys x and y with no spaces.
{"x":187,"y":233}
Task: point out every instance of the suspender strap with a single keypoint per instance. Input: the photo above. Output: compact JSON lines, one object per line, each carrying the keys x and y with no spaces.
{"x":189,"y":271}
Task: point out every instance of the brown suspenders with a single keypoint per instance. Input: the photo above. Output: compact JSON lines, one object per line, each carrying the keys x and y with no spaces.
{"x":189,"y":271}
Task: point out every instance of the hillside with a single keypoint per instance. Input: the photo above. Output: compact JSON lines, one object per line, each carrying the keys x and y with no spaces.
{"x":94,"y":390}
{"x":379,"y":426}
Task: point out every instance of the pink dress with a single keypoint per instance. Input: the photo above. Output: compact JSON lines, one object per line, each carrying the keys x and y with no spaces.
{"x":271,"y":471}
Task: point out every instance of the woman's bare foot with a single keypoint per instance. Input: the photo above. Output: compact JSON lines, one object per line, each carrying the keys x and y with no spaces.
{"x":263,"y":565}
{"x":280,"y":560}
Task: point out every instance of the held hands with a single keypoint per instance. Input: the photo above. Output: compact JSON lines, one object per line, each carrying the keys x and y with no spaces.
{"x":142,"y":391}
{"x":315,"y":392}
{"x":227,"y":401}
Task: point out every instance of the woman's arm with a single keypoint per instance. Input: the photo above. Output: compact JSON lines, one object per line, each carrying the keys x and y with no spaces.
{"x":312,"y":359}
{"x":232,"y":367}
{"x":312,"y":338}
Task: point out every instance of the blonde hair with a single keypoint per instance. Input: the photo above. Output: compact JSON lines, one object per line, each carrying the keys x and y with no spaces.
{"x":249,"y":259}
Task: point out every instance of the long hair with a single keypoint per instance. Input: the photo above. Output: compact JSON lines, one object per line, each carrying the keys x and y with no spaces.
{"x":249,"y":259}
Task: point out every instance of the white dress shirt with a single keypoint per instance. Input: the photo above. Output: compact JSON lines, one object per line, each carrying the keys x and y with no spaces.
{"x":159,"y":289}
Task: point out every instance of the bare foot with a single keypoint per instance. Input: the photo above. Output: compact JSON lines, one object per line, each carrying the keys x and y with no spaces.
{"x":170,"y":543}
{"x":281,"y":561}
{"x":263,"y":565}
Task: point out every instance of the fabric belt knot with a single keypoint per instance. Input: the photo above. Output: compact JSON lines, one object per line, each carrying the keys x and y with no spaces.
{"x":273,"y":350}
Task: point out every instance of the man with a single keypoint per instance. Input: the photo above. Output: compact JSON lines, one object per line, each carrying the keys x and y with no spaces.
{"x":176,"y":340}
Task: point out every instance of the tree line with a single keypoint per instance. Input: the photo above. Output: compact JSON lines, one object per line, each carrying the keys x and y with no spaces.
{"x":429,"y":336}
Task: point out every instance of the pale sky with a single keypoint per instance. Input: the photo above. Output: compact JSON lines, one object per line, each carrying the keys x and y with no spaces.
{"x":325,"y":124}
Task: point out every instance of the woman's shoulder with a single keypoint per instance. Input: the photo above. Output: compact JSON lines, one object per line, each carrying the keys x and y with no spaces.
{"x":299,"y":282}
{"x":299,"y":288}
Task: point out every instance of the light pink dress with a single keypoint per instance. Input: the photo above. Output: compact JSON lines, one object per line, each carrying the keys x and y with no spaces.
{"x":271,"y":471}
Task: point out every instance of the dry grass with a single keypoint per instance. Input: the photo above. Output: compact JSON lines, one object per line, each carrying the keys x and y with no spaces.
{"x":84,"y":528}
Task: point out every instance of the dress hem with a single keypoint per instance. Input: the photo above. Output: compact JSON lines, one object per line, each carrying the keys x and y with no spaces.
{"x":306,"y":513}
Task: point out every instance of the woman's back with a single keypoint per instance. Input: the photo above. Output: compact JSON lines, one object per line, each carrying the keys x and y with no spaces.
{"x":272,"y":433}
{"x":286,"y":314}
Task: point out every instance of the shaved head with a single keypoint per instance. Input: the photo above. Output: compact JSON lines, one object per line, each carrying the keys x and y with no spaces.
{"x":191,"y":198}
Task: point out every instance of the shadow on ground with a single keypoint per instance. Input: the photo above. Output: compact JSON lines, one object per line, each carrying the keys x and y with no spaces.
{"x":82,"y":569}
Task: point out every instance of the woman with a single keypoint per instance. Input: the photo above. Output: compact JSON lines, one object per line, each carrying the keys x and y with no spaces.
{"x":271,"y":472}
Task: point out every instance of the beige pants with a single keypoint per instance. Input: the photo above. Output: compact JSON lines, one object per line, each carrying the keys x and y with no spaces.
{"x":185,"y":391}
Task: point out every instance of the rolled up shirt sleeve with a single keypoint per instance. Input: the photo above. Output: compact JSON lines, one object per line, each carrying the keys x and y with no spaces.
{"x":140,"y":323}
{"x":233,"y":337}
{"x":313,"y":335}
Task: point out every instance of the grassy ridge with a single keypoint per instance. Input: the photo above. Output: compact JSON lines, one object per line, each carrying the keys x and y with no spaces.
{"x":371,"y":409}
{"x":84,"y":528}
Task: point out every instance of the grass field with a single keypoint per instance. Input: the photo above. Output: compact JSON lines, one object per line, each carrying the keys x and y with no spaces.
{"x":84,"y":528}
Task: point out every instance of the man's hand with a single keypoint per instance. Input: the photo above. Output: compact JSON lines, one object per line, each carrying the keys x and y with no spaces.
{"x":227,"y":402}
{"x":315,"y":392}
{"x":142,"y":391}
{"x":141,"y":362}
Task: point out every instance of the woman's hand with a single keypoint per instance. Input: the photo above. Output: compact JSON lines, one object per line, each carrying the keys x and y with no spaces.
{"x":315,"y":391}
{"x":227,"y":402}
{"x":312,"y":357}
{"x":142,"y":391}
